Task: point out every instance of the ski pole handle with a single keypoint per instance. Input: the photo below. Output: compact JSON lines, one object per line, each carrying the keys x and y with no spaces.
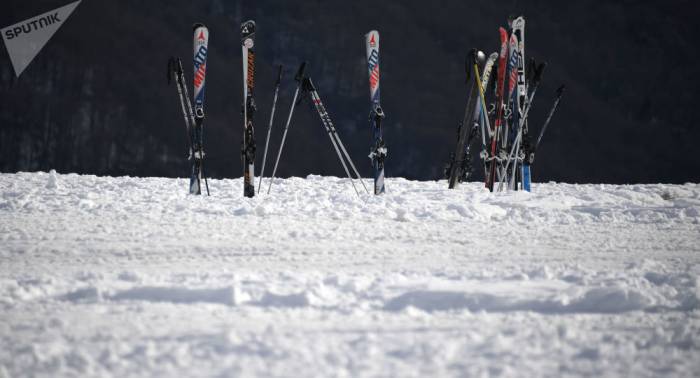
{"x":171,"y":68}
{"x":279,"y":75}
{"x":300,"y":73}
{"x":560,"y":90}
{"x":539,"y":71}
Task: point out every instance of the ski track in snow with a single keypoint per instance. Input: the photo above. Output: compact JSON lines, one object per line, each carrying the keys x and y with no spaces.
{"x":130,"y":276}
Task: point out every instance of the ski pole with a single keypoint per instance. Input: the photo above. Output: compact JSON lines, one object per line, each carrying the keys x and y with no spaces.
{"x":298,"y":77}
{"x":560,"y":92}
{"x":269,"y":126}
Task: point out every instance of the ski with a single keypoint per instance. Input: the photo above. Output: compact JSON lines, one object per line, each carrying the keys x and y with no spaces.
{"x":378,"y":151}
{"x":201,"y":45}
{"x":518,"y":27}
{"x":484,"y":124}
{"x":501,"y":72}
{"x":248,"y":148}
{"x":269,"y":126}
{"x":459,"y":167}
{"x":511,"y":93}
{"x":176,"y":73}
{"x":512,"y":118}
{"x":510,"y":114}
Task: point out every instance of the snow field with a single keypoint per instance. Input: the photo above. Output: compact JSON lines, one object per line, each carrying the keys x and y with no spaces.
{"x":129,"y":276}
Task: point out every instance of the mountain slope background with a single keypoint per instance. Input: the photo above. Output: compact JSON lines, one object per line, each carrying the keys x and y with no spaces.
{"x":95,"y":100}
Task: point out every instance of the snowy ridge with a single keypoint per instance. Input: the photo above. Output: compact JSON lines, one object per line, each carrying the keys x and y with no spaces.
{"x":132,"y":276}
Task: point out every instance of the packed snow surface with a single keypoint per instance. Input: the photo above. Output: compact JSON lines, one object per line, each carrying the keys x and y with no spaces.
{"x":129,"y":276}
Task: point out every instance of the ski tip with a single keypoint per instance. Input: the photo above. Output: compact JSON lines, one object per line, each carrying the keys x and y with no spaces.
{"x":247,"y":28}
{"x":480,"y":57}
{"x":561,"y":89}
{"x":198,"y":25}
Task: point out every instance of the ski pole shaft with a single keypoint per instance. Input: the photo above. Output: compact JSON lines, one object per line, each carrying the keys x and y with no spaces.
{"x":269,"y":126}
{"x":325,"y":120}
{"x":560,"y":92}
{"x":299,"y":78}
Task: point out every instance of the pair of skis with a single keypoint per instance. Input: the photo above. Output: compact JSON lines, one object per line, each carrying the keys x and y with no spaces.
{"x":507,"y":99}
{"x":194,"y":116}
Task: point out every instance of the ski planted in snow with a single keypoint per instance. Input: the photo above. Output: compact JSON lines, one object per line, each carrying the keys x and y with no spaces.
{"x":201,"y":45}
{"x":175,"y":73}
{"x":459,"y":167}
{"x":518,"y":30}
{"x":493,"y":159}
{"x":248,"y":148}
{"x":482,"y":109}
{"x":378,"y":151}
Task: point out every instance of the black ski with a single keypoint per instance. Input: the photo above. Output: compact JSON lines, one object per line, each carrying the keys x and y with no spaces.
{"x":248,"y":149}
{"x":459,"y":167}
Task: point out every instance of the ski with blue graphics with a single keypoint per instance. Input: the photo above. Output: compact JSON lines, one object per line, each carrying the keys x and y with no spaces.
{"x":248,"y":149}
{"x":201,"y":44}
{"x":378,"y":151}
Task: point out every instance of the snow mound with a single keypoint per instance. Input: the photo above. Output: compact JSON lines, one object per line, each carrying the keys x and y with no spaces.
{"x":599,"y":300}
